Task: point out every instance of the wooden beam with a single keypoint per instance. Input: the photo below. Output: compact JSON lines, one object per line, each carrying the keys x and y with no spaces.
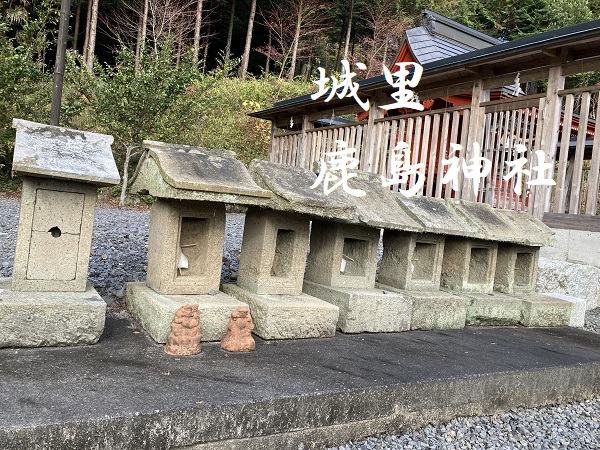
{"x":572,"y":222}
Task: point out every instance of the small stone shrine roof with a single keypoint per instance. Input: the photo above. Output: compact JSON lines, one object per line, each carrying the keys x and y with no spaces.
{"x":437,"y":216}
{"x":505,"y":226}
{"x":291,"y":186}
{"x":291,"y":189}
{"x":194,"y":173}
{"x":378,"y":208}
{"x":55,"y":152}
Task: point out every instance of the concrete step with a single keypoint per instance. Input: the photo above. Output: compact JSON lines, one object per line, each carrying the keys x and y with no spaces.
{"x":125,"y":393}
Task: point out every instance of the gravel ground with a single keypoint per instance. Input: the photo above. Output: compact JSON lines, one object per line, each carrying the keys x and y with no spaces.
{"x":119,"y":255}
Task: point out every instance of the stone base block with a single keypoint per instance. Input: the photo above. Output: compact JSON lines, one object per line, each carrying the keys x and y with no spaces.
{"x":155,"y":312}
{"x":494,"y":309}
{"x":574,"y":280}
{"x":365,"y":310}
{"x":577,"y":313}
{"x":288,"y":316}
{"x":434,"y":310}
{"x":40,"y":319}
{"x":541,"y":310}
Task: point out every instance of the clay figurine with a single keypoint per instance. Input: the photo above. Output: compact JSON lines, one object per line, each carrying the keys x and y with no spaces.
{"x":239,"y":332}
{"x":184,"y":337}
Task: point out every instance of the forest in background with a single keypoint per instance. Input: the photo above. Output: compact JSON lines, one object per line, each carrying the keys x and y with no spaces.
{"x":188,"y":71}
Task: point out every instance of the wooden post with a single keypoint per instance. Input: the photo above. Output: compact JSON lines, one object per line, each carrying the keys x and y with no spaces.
{"x":304,"y":156}
{"x":272,"y":146}
{"x":476,"y":125}
{"x":370,"y":135}
{"x":550,"y":117}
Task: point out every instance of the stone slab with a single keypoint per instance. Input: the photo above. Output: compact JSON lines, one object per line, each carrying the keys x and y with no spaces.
{"x":61,"y":153}
{"x":365,"y":310}
{"x":433,"y":310}
{"x":379,"y":208}
{"x":35,"y":319}
{"x":560,"y":248}
{"x":194,"y":173}
{"x":493,"y":309}
{"x":539,"y":310}
{"x":577,"y":312}
{"x":155,"y":312}
{"x":575,"y":280}
{"x":575,"y":246}
{"x":291,"y":188}
{"x":126,"y":393}
{"x":495,"y":225}
{"x":533,"y":232}
{"x":288,"y":316}
{"x":437,"y":216}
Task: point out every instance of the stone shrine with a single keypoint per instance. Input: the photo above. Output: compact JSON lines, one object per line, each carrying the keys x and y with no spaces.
{"x":187,"y":234}
{"x":49,"y":301}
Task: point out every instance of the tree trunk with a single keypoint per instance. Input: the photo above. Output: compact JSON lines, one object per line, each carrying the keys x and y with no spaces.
{"x":76,"y":30}
{"x":267,"y":68}
{"x":142,"y":32}
{"x":246,"y":57}
{"x":292,"y":71}
{"x":348,"y":30}
{"x":338,"y":54}
{"x":179,"y":49}
{"x":92,"y":41}
{"x":197,"y":31}
{"x":206,"y":50}
{"x":230,"y":32}
{"x":308,"y":68}
{"x":87,"y":31}
{"x":125,"y":174}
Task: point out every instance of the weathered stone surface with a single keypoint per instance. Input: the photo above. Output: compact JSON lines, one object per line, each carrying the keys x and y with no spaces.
{"x":239,"y":332}
{"x":411,"y":261}
{"x":155,"y":312}
{"x":496,"y":225}
{"x":541,"y":310}
{"x":379,"y":208}
{"x":577,"y":312}
{"x":493,"y":309}
{"x":55,"y":224}
{"x":291,"y":188}
{"x":433,"y":310}
{"x":196,"y":230}
{"x":288,"y":316}
{"x":273,"y":255}
{"x":532,"y":231}
{"x":575,"y":246}
{"x":560,"y":248}
{"x":184,"y":337}
{"x":575,"y":280}
{"x":342,"y":255}
{"x":516,"y":269}
{"x":437,"y":216}
{"x":365,"y":310}
{"x":194,"y":173}
{"x":35,"y":319}
{"x":65,"y":154}
{"x":468,"y":265}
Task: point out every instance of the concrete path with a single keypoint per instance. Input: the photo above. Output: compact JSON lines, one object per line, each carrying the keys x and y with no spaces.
{"x":125,"y":392}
